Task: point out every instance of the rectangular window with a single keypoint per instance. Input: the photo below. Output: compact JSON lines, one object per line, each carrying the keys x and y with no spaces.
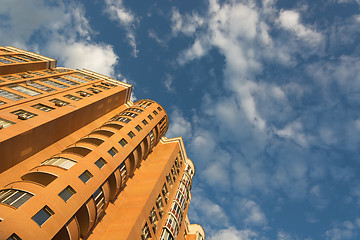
{"x":65,"y":163}
{"x":55,"y":84}
{"x":75,"y":78}
{"x":58,"y":102}
{"x":25,"y":75}
{"x":123,"y":142}
{"x":42,"y":216}
{"x":10,"y":77}
{"x":102,"y":87}
{"x":28,"y":58}
{"x":38,"y":73}
{"x":145,"y":232}
{"x":85,"y":76}
{"x":14,"y":197}
{"x":94,"y":90}
{"x":24,"y":90}
{"x":5,"y":123}
{"x":85,"y":176}
{"x":100,"y":163}
{"x":144,"y":122}
{"x":39,"y":86}
{"x":5,"y":61}
{"x":72,"y":83}
{"x":23,"y":115}
{"x":10,"y":95}
{"x":2,"y":102}
{"x":50,"y":71}
{"x":131,"y":134}
{"x":43,"y":107}
{"x":67,"y":193}
{"x":113,"y":151}
{"x":150,"y":117}
{"x":16,"y":59}
{"x":72,"y":97}
{"x":159,"y":108}
{"x":138,"y":128}
{"x":84,"y":94}
{"x":155,"y":112}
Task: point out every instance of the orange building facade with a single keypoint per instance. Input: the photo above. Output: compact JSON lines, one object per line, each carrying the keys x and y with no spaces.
{"x":79,"y":160}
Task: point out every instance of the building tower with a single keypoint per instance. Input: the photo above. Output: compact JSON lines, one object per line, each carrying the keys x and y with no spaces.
{"x":79,"y":160}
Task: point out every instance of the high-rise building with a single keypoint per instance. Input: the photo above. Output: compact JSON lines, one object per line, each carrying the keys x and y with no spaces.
{"x":80,"y":160}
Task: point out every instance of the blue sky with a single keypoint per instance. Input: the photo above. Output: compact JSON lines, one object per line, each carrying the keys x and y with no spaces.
{"x":266,"y":95}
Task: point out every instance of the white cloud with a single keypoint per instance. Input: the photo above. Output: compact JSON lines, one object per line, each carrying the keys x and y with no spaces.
{"x":232,"y":233}
{"x":343,"y":231}
{"x":169,"y":79}
{"x":64,"y":30}
{"x":95,"y":57}
{"x":125,"y":18}
{"x":202,"y":209}
{"x":290,"y":20}
{"x":179,"y":126}
{"x":295,"y":132}
{"x":253,"y":213}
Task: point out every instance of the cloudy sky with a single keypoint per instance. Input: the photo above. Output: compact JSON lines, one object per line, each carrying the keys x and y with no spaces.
{"x":266,"y":95}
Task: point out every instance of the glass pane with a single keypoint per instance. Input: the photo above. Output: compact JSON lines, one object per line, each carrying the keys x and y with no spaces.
{"x":13,"y":197}
{"x":85,"y":176}
{"x":67,"y":193}
{"x":42,"y":216}
{"x":22,"y":200}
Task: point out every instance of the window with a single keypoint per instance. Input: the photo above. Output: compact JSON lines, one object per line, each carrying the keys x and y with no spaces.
{"x":144,"y":122}
{"x":138,"y":128}
{"x":10,"y":77}
{"x":16,"y":59}
{"x":84,"y":94}
{"x":76,"y":78}
{"x":62,"y":70}
{"x":159,"y":202}
{"x":165,"y":192}
{"x":113,"y":151}
{"x":153,"y":217}
{"x":38,"y":73}
{"x":100,"y":163}
{"x":72,"y":97}
{"x":39,"y":86}
{"x":23,"y":115}
{"x":5,"y":61}
{"x":50,"y":71}
{"x":159,"y":108}
{"x":24,"y":90}
{"x":5,"y":123}
{"x":150,"y":117}
{"x":121,"y":119}
{"x":94,"y":90}
{"x":42,"y":216}
{"x":131,"y":134}
{"x":99,"y":199}
{"x":55,"y":84}
{"x":28,"y":58}
{"x":10,"y":95}
{"x":14,"y":237}
{"x":72,"y":83}
{"x":65,"y":163}
{"x":101,"y":86}
{"x":13,"y":197}
{"x":43,"y":107}
{"x":85,"y":76}
{"x":155,"y":112}
{"x":58,"y":102}
{"x":169,"y":180}
{"x":123,"y":172}
{"x":85,"y":176}
{"x":67,"y":193}
{"x":25,"y":75}
{"x":145,"y":232}
{"x":123,"y":142}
